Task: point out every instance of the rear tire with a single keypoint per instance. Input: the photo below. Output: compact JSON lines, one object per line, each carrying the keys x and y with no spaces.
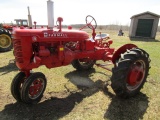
{"x":5,"y":40}
{"x":130,"y":73}
{"x":83,"y":65}
{"x":33,"y":88}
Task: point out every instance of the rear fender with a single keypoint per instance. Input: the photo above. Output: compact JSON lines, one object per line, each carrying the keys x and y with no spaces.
{"x":121,"y":50}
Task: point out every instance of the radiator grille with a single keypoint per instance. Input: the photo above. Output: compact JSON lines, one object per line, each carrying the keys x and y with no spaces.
{"x":18,"y":51}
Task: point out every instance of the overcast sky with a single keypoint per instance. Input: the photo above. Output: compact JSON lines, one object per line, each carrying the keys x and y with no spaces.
{"x":74,"y":11}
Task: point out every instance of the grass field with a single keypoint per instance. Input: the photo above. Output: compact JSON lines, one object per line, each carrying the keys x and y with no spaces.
{"x":65,"y":101}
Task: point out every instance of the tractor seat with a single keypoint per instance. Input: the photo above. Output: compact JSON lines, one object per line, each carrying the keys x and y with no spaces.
{"x":102,"y":36}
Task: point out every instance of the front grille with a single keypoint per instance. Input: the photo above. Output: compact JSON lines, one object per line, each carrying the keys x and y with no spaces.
{"x":18,"y":50}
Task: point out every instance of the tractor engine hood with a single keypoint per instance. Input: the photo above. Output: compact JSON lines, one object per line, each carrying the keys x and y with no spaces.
{"x":53,"y":35}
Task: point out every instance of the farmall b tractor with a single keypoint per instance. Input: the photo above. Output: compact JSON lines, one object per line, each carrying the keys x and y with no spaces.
{"x":61,"y":47}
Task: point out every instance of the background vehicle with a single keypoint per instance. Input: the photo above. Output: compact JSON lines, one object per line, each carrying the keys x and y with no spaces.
{"x":5,"y":34}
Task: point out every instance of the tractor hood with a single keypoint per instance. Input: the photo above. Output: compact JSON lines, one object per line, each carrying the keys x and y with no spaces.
{"x":41,"y":34}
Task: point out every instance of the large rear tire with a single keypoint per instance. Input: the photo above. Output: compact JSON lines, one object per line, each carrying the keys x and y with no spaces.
{"x":83,"y":64}
{"x":130,"y":73}
{"x":5,"y":40}
{"x":33,"y":88}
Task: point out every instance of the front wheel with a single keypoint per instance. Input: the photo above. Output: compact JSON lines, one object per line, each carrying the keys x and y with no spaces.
{"x":33,"y":88}
{"x":16,"y":85}
{"x":83,"y":64}
{"x":130,"y":73}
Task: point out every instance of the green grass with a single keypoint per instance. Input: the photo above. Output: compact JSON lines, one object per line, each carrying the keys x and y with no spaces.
{"x":63,"y":100}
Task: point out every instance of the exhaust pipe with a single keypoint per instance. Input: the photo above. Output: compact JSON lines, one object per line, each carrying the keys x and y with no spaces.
{"x":50,"y":14}
{"x":29,"y":19}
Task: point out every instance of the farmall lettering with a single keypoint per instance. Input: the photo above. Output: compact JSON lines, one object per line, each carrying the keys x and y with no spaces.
{"x":46,"y":34}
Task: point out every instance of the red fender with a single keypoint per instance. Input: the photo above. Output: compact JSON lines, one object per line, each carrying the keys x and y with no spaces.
{"x":121,"y":50}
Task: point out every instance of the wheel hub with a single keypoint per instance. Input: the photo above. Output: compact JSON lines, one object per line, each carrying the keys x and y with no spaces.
{"x":36,"y":88}
{"x":5,"y":41}
{"x":136,"y":75}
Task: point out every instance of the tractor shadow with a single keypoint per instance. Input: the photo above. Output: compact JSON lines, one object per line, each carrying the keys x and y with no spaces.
{"x":126,"y":109}
{"x":51,"y":109}
{"x":80,"y":78}
{"x":55,"y":105}
{"x":11,"y":66}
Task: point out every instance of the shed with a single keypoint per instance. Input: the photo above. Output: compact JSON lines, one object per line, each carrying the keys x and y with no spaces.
{"x":144,"y":25}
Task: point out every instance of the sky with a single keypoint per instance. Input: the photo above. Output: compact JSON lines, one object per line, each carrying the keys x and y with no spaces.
{"x":105,"y":12}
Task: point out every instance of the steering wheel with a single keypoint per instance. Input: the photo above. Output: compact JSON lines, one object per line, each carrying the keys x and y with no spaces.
{"x":91,"y":22}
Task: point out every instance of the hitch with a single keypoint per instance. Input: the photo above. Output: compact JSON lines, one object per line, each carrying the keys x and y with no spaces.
{"x":104,"y":66}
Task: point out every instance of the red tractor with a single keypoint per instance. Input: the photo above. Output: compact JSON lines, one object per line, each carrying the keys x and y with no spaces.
{"x":60,"y":47}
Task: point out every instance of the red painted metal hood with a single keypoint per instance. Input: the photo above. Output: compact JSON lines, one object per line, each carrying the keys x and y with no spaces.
{"x":65,"y":34}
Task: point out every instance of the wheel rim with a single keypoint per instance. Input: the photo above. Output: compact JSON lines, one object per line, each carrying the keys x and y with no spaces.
{"x":85,"y":62}
{"x":136,"y":75}
{"x":5,"y":41}
{"x":36,"y":88}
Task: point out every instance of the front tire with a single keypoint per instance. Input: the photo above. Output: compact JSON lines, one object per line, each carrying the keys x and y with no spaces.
{"x":130,"y":73}
{"x":5,"y":40}
{"x":16,"y":85}
{"x":33,"y":88}
{"x":83,"y":64}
